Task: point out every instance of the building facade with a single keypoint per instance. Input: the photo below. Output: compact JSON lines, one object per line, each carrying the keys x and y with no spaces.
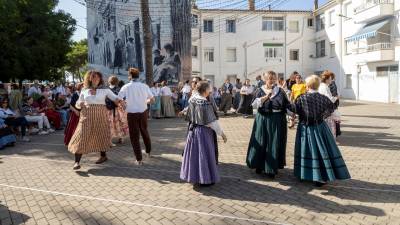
{"x":356,"y":39}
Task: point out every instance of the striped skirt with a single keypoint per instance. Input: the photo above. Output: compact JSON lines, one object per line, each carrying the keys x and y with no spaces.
{"x":93,"y":132}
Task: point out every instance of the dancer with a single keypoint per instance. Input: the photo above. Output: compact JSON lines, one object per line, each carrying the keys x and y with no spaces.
{"x":237,"y":95}
{"x":137,"y":96}
{"x":324,"y":89}
{"x":93,"y":131}
{"x":245,"y":107}
{"x":74,"y":115}
{"x":167,"y":105}
{"x":267,"y":146}
{"x":156,"y":106}
{"x":199,"y":165}
{"x":226,"y":99}
{"x":116,"y":114}
{"x":317,"y":157}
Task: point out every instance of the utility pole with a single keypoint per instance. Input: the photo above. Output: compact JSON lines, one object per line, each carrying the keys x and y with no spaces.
{"x":147,"y":36}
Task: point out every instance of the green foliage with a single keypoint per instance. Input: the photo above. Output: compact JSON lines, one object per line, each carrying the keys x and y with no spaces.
{"x":34,"y":39}
{"x":77,"y":58}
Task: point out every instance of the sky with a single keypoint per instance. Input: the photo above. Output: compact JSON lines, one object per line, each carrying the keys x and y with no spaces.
{"x":79,"y":11}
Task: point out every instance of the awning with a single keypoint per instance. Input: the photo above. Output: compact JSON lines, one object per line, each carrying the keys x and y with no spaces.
{"x":369,"y":30}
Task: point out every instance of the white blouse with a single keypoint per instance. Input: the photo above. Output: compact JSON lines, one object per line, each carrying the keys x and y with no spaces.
{"x":98,"y":99}
{"x":325,"y":90}
{"x":247,"y":89}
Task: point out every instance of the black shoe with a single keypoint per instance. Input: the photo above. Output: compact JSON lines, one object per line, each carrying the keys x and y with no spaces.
{"x":259,"y":171}
{"x":319,"y":184}
{"x":101,"y":160}
{"x":206,"y":185}
{"x":271,"y":175}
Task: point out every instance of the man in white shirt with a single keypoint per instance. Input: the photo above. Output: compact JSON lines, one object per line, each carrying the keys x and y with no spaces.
{"x":34,"y":89}
{"x":137,"y":96}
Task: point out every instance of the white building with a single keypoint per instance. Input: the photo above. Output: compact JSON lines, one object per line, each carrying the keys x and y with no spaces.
{"x":356,"y":39}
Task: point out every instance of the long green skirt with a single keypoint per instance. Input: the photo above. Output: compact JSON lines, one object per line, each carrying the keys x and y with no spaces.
{"x":317,"y":157}
{"x":267,"y":146}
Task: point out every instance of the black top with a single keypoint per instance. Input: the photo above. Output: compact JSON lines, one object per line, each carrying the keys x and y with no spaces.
{"x":333,"y":89}
{"x":200,"y":111}
{"x":290,"y":83}
{"x":74,"y":99}
{"x":110,"y":104}
{"x":312,"y":108}
{"x":277,"y":102}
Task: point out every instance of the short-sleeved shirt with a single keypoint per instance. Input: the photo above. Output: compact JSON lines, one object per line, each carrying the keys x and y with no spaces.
{"x":136,"y":95}
{"x":298,"y":89}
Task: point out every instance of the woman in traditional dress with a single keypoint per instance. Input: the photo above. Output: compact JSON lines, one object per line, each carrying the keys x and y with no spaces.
{"x":237,"y":95}
{"x":199,"y":165}
{"x":323,"y":89}
{"x":317,"y":158}
{"x":74,"y":115}
{"x":156,"y":106}
{"x":117,"y":115}
{"x":267,"y":147}
{"x":7,"y":137}
{"x":245,"y":107}
{"x":93,"y":131}
{"x":167,"y":105}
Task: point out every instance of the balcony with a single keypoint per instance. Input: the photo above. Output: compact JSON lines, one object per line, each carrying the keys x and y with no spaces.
{"x":373,"y":10}
{"x":375,"y":53}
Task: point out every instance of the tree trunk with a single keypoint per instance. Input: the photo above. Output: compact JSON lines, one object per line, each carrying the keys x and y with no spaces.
{"x":147,"y":36}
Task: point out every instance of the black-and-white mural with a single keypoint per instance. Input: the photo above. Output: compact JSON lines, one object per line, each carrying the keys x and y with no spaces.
{"x":115,"y":37}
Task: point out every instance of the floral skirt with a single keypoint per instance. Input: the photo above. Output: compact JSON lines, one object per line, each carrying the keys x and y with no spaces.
{"x":119,"y":123}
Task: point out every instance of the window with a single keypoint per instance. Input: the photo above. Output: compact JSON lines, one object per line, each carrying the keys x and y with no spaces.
{"x":320,"y":49}
{"x":349,"y":83}
{"x":209,"y":54}
{"x":208,"y":26}
{"x":332,"y":18}
{"x":320,"y":22}
{"x":195,"y":20}
{"x":310,"y":22}
{"x":231,"y":54}
{"x":272,"y":24}
{"x":294,"y":54}
{"x":231,"y":26}
{"x":294,"y":26}
{"x":273,"y":50}
{"x":348,"y":47}
{"x":382,"y":71}
{"x":347,"y":11}
{"x":332,"y":51}
{"x":194,"y":51}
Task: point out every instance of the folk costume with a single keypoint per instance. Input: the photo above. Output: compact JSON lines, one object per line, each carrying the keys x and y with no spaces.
{"x":226,"y":98}
{"x":317,"y":157}
{"x":200,"y":157}
{"x":73,"y":120}
{"x":267,"y":147}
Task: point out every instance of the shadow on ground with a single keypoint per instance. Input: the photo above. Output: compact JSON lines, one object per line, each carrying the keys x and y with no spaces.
{"x":12,"y":217}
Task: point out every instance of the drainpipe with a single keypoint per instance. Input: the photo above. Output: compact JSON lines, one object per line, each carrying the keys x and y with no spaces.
{"x":285,"y":45}
{"x":200,"y":44}
{"x":341,"y":76}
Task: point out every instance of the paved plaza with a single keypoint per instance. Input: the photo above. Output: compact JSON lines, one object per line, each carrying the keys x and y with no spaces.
{"x":38,"y":185}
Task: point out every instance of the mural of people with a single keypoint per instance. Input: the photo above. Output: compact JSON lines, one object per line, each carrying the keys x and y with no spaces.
{"x":118,"y":55}
{"x":131,"y":53}
{"x":170,"y":68}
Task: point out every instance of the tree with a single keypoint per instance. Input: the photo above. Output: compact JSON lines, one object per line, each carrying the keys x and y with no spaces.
{"x":77,"y":58}
{"x":34,"y":39}
{"x":148,"y":51}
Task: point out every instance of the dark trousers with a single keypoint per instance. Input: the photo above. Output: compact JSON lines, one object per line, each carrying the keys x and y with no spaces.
{"x":137,"y":123}
{"x":17,"y":122}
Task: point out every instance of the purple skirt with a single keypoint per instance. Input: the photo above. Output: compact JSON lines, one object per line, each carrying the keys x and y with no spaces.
{"x":199,"y":164}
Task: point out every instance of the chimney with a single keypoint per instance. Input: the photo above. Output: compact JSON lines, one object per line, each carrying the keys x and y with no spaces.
{"x":252,"y":6}
{"x":315,"y":4}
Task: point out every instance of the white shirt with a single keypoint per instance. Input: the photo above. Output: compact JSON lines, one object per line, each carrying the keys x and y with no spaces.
{"x":61,"y":90}
{"x":136,"y":95}
{"x":166,"y":91}
{"x":155,"y":91}
{"x":186,"y":89}
{"x":325,"y":90}
{"x":247,"y":89}
{"x":98,"y":99}
{"x":33,"y":90}
{"x":4,"y":113}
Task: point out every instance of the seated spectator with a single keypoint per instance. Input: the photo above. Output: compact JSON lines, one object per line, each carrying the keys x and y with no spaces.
{"x":48,"y":93}
{"x":15,"y":97}
{"x":3,"y":91}
{"x":10,"y":118}
{"x":45,"y":106}
{"x":7,"y":137}
{"x":61,"y":106}
{"x":33,"y":116}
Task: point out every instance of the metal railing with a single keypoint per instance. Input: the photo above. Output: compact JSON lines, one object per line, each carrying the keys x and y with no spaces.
{"x":371,"y":4}
{"x":374,"y":47}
